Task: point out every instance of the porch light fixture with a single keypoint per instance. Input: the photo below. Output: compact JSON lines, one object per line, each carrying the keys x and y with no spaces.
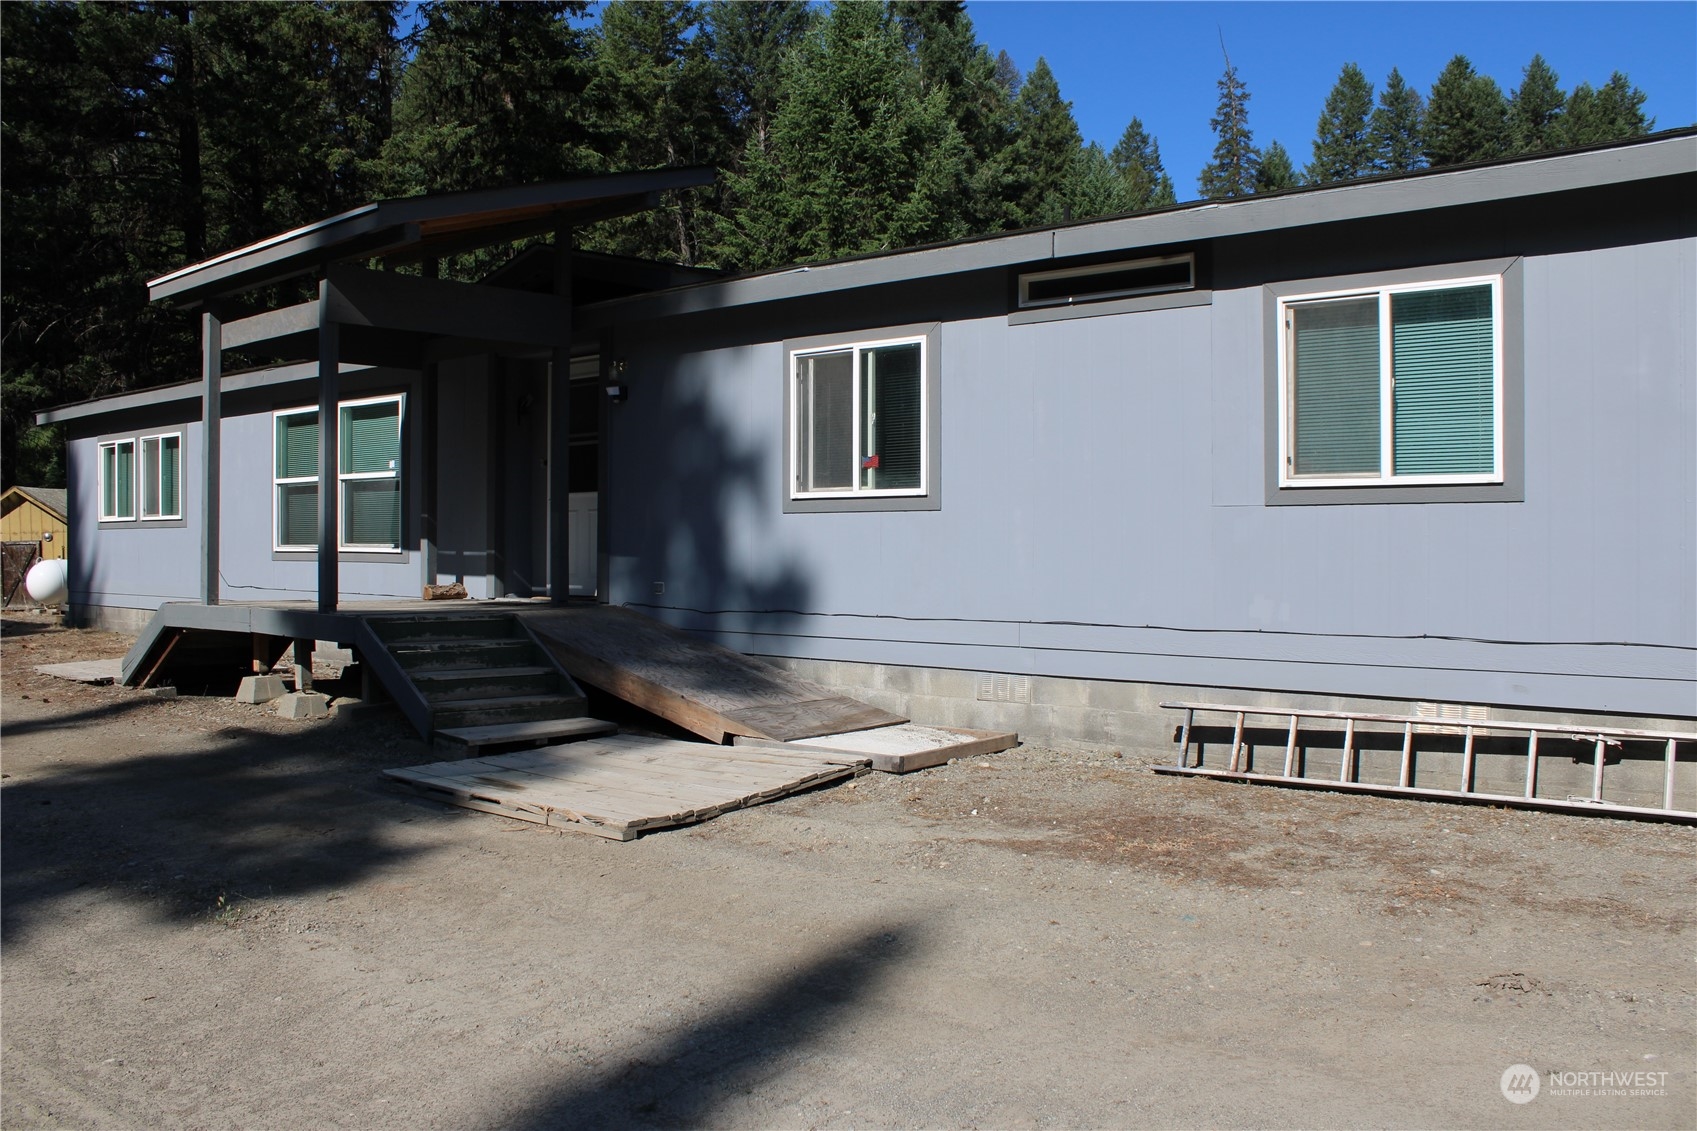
{"x":616,"y":394}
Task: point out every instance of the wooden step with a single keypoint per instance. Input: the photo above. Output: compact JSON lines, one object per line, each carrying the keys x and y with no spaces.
{"x":504,"y":709}
{"x":437,"y":655}
{"x":444,"y":627}
{"x":452,"y":684}
{"x":540,"y":730}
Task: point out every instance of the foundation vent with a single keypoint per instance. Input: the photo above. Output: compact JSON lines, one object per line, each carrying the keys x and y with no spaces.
{"x":1457,"y":712}
{"x":996,"y":688}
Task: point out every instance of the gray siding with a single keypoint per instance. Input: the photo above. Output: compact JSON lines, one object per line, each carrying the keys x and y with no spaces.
{"x":1106,"y":515}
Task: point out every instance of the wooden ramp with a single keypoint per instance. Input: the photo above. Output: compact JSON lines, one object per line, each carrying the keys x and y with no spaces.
{"x":708,"y":690}
{"x":622,"y":786}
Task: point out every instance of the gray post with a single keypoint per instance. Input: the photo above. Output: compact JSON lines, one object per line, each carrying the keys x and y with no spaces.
{"x":560,"y":430}
{"x":329,"y":380}
{"x":211,"y":416}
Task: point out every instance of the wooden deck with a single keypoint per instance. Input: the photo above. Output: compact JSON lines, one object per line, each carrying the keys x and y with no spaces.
{"x":623,"y":786}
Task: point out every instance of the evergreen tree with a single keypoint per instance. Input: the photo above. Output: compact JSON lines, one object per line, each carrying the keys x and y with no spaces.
{"x":856,"y":160}
{"x":1343,"y":145}
{"x":748,"y":42}
{"x":1466,"y":116}
{"x":1236,"y":162}
{"x":1396,"y":130}
{"x":1276,"y":172}
{"x":655,"y":91}
{"x":1593,"y":116}
{"x":1045,"y":147}
{"x":1093,"y":186}
{"x":1137,"y":160}
{"x":1534,"y":109}
{"x":493,"y":96}
{"x":1007,"y":74}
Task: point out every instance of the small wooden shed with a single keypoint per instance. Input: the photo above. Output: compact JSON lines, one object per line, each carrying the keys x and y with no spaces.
{"x":32,"y":527}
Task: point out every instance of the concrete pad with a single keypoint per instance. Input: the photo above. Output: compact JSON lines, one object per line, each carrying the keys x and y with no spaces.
{"x":303,"y":705}
{"x":85,"y":671}
{"x":260,"y":689}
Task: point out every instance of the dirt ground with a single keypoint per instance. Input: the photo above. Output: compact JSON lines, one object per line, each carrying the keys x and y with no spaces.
{"x":215,"y":918}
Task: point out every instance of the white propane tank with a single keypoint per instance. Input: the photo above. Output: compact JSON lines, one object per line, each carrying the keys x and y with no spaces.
{"x":48,"y":581}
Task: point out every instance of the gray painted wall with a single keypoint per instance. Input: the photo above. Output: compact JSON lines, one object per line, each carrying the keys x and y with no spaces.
{"x":141,"y":566}
{"x":1105,"y":514}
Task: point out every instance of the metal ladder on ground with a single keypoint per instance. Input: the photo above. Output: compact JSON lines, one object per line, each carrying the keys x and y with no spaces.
{"x":1239,"y":763}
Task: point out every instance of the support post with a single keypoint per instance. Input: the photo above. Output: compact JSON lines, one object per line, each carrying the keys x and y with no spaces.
{"x":560,"y":429}
{"x":211,"y":443}
{"x":329,"y":393}
{"x":429,"y":387}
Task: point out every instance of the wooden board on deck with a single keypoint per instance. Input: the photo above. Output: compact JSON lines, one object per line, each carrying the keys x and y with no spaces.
{"x":624,"y":785}
{"x":902,"y":749}
{"x":706,"y":689}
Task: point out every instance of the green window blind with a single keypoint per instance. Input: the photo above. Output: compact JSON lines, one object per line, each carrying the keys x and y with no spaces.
{"x":117,"y":481}
{"x":371,"y":512}
{"x":371,"y":438}
{"x":1335,"y":369}
{"x":1444,"y":391}
{"x":825,"y":411}
{"x":170,"y":475}
{"x":891,"y":443}
{"x":297,"y":445}
{"x":150,"y":477}
{"x":297,"y":514}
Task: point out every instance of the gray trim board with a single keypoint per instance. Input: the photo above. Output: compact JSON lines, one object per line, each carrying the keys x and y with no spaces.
{"x":185,"y":392}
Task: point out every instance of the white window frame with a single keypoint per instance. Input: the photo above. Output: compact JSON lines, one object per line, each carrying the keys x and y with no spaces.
{"x":858,"y":348}
{"x":135,"y":478}
{"x":158,"y":475}
{"x":1386,"y":476}
{"x":342,"y":478}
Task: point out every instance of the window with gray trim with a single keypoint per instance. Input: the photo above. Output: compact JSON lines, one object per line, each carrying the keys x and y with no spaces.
{"x":860,"y":421}
{"x":368,"y":475}
{"x":1391,"y":385}
{"x":139,"y":478}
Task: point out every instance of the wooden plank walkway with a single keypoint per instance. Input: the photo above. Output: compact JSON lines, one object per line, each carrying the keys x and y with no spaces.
{"x":706,"y":689}
{"x":625,"y":785}
{"x":905,"y":748}
{"x":85,"y":671}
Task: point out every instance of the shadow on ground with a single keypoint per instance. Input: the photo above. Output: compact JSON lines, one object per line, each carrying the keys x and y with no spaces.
{"x":247,"y":812}
{"x":681,"y":1083}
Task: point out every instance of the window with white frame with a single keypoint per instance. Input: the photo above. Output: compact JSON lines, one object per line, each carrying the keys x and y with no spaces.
{"x":858,"y":420}
{"x":161,"y":476}
{"x":117,"y":475}
{"x":1392,"y":385}
{"x":368,"y":475}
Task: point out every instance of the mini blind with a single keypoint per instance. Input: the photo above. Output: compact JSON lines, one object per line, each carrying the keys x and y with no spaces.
{"x":1335,"y":368}
{"x":1443,"y":386}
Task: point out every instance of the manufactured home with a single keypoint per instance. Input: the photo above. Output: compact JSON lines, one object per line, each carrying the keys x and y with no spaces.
{"x":1419,"y":443}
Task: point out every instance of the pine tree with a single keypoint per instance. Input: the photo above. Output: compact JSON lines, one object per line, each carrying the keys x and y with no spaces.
{"x":1592,"y":116}
{"x":1276,"y":172}
{"x":1045,"y":146}
{"x":1236,"y":162}
{"x":1343,"y":147}
{"x":493,"y":96}
{"x":1137,"y":160}
{"x":1093,"y":186}
{"x":856,"y":160}
{"x":655,"y":92}
{"x":749,"y":42}
{"x":1007,"y":74}
{"x":1534,"y":109}
{"x":1466,"y":116}
{"x":1396,"y":130}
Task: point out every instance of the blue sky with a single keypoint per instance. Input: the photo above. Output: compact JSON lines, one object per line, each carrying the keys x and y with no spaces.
{"x":1161,"y":61}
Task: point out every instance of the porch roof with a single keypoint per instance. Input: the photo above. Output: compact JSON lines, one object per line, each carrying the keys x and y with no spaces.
{"x":414,"y":228}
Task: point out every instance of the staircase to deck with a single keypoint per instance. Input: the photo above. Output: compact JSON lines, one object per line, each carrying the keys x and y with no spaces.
{"x":478,"y":678}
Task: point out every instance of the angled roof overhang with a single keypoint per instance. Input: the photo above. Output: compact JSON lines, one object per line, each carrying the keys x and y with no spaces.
{"x":422,"y":227}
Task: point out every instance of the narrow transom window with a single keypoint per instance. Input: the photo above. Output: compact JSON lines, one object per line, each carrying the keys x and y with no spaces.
{"x":368,"y":475}
{"x":858,"y":426}
{"x":1393,"y":385}
{"x":1099,"y":282}
{"x":117,"y":475}
{"x":161,"y":476}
